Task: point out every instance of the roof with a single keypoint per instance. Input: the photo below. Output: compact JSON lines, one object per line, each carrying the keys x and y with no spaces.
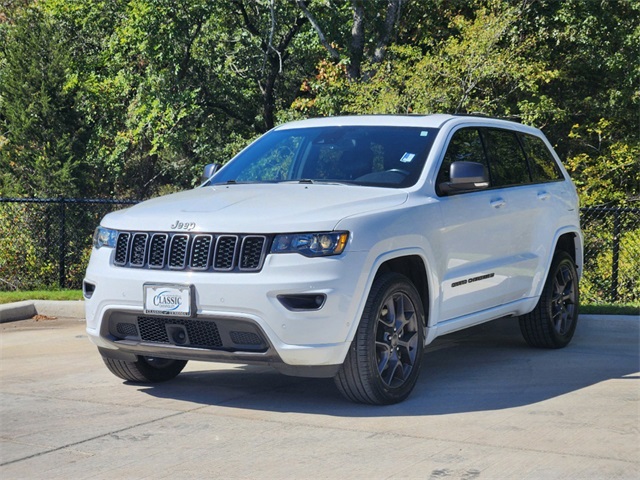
{"x":424,"y":121}
{"x":428,"y":121}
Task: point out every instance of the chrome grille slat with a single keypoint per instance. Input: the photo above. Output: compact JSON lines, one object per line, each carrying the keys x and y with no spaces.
{"x":191,"y":251}
{"x":225,"y":254}
{"x":252,"y":252}
{"x":178,"y":248}
{"x":201,"y":252}
{"x":138,"y":249}
{"x":122,"y":249}
{"x":158,"y":250}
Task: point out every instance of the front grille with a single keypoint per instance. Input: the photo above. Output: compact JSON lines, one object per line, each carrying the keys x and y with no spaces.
{"x":201,"y":333}
{"x":182,"y":251}
{"x":219,"y":333}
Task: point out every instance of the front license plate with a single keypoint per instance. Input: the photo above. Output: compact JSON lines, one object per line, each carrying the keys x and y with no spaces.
{"x":167,"y":300}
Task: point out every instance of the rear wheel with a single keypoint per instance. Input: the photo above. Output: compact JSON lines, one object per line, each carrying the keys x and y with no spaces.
{"x":383,"y":363}
{"x":145,"y":369}
{"x":553,"y":322}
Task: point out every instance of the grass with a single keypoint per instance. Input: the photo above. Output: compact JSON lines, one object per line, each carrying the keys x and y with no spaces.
{"x":611,"y":309}
{"x":9,"y":297}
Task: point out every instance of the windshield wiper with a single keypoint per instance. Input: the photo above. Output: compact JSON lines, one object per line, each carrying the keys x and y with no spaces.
{"x":309,"y":181}
{"x":227,"y":182}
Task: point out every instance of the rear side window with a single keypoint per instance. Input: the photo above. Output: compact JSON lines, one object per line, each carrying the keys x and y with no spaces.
{"x":508,"y":165}
{"x":543,"y":166}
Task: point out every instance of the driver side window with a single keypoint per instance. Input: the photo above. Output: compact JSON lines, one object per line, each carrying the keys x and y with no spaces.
{"x":465,"y":146}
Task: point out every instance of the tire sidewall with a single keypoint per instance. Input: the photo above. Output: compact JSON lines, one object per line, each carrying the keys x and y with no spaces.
{"x":166,"y":369}
{"x":561,"y":259}
{"x":385,"y":286}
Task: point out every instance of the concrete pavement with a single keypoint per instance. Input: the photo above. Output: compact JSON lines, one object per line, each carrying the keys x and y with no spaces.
{"x":486,"y":406}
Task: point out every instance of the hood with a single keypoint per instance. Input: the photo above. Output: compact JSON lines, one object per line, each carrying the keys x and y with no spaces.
{"x":255,"y":208}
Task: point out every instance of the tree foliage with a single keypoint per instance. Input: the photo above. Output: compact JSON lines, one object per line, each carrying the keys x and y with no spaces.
{"x":45,"y":133}
{"x":132,"y":97}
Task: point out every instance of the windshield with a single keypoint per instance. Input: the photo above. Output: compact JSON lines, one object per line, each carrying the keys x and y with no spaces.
{"x":362,"y":155}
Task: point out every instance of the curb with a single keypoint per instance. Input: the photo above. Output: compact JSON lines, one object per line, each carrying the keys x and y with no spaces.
{"x":11,"y":312}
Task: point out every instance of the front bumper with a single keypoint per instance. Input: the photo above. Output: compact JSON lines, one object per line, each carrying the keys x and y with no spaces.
{"x":253,"y":325}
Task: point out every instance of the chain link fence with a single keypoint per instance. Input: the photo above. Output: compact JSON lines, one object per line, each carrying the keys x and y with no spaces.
{"x":611,"y":255}
{"x":46,"y":243}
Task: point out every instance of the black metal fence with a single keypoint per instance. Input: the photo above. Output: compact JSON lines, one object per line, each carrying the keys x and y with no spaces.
{"x":611,"y":255}
{"x":46,"y":243}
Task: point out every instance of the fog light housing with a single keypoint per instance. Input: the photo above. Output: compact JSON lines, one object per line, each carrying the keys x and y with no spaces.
{"x":88,"y":289}
{"x":303,"y":301}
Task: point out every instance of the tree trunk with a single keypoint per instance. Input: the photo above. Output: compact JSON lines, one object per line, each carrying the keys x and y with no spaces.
{"x":393,"y":14}
{"x":356,"y":48}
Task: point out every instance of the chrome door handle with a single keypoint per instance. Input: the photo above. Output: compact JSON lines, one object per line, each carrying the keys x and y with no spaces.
{"x":498,"y":203}
{"x":543,"y":195}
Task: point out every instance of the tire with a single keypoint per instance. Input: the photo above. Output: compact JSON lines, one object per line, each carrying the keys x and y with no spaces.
{"x":383,"y":363}
{"x":145,"y":369}
{"x":553,"y":322}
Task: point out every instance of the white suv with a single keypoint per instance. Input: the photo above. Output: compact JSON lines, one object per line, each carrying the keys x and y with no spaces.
{"x":340,"y":247}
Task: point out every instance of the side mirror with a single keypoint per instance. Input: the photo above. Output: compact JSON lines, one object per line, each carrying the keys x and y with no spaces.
{"x":208,"y":172}
{"x":466,"y":177}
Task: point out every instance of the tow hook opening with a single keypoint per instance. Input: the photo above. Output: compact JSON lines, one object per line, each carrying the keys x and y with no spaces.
{"x":177,"y":334}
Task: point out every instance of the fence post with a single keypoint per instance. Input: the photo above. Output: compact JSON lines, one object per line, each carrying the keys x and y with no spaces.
{"x":615,"y":263}
{"x":63,"y":243}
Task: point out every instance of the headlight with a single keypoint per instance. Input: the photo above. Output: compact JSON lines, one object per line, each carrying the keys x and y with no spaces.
{"x":311,"y":244}
{"x":105,"y":237}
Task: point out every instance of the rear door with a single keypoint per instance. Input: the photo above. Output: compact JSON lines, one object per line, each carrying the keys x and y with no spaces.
{"x":554,"y":200}
{"x":524,"y":208}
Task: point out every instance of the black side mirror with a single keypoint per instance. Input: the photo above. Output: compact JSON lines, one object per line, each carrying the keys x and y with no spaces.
{"x":466,"y":177}
{"x":208,"y":172}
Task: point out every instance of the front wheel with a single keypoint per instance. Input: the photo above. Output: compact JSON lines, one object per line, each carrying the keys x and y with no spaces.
{"x":383,"y":363}
{"x":145,"y":369}
{"x":553,"y":322}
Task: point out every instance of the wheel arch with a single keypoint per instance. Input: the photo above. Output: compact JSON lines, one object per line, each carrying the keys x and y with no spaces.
{"x":568,"y":240}
{"x":571,"y":243}
{"x":415,"y":269}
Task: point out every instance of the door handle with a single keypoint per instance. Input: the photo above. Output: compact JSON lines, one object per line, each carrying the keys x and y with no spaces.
{"x":544,"y":195}
{"x":498,"y":203}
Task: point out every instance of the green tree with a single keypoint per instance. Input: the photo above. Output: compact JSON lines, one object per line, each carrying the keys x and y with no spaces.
{"x":594,"y":47}
{"x":607,"y":169}
{"x":476,"y":65}
{"x":44,"y":136}
{"x":172,"y":85}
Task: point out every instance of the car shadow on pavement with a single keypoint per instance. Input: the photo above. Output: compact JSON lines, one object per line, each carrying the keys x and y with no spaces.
{"x":488,"y":367}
